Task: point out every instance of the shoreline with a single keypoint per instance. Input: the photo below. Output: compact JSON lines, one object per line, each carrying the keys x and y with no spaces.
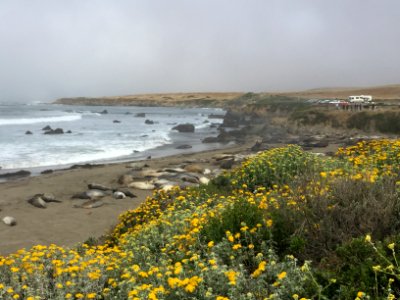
{"x":64,"y":225}
{"x":157,"y":152}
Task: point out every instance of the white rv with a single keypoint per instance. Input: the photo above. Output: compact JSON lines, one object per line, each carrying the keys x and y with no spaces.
{"x":360,"y":99}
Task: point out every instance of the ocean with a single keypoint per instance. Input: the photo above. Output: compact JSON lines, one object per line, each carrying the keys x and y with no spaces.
{"x":96,"y":137}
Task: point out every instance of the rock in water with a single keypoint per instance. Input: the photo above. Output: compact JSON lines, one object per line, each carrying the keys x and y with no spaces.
{"x":184,"y":127}
{"x":149,"y":122}
{"x":37,"y":201}
{"x":90,"y":204}
{"x":55,"y":131}
{"x":10,"y":221}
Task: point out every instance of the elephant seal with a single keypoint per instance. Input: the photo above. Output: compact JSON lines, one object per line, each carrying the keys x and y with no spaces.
{"x":37,"y":201}
{"x":119,"y":195}
{"x":10,"y":221}
{"x":90,"y":204}
{"x":127,"y":193}
{"x":142,"y":185}
{"x":96,"y":186}
{"x":90,"y":194}
{"x":47,"y":197}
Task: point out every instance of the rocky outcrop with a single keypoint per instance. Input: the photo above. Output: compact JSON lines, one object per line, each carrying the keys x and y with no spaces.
{"x":14,"y":175}
{"x":184,"y":127}
{"x":55,"y":131}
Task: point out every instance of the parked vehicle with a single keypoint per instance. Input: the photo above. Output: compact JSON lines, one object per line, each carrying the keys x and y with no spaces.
{"x":360,"y":99}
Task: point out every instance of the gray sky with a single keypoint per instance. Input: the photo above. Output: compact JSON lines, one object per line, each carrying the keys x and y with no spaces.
{"x":51,"y":49}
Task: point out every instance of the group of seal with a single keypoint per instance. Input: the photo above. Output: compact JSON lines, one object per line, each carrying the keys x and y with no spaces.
{"x":96,"y":192}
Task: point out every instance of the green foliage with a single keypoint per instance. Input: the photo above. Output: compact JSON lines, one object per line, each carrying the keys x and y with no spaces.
{"x":285,"y":225}
{"x":385,"y":122}
{"x":239,"y":214}
{"x":274,"y":167}
{"x":312,"y":117}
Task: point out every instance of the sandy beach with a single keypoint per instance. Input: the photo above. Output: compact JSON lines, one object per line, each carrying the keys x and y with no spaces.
{"x":61,"y":223}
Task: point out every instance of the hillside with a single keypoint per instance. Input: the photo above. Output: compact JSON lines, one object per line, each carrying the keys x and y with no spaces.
{"x":212,"y":99}
{"x":167,"y":99}
{"x":385,"y":92}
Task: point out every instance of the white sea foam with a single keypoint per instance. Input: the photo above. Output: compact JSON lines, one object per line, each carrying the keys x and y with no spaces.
{"x":103,"y":152}
{"x":23,"y":121}
{"x":94,"y":136}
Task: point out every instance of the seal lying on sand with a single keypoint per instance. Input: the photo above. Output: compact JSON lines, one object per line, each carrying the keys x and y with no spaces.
{"x":142,"y":185}
{"x":37,"y":201}
{"x":90,"y":204}
{"x":47,"y":197}
{"x":96,"y":186}
{"x":119,"y":195}
{"x":90,"y":194}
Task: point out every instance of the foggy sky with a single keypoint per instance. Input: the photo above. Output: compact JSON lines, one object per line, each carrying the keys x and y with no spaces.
{"x":51,"y":49}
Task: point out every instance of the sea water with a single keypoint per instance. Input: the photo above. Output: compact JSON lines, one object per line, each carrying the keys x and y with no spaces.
{"x":95,"y":136}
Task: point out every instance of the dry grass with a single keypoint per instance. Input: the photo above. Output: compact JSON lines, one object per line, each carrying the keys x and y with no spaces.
{"x":387,"y":92}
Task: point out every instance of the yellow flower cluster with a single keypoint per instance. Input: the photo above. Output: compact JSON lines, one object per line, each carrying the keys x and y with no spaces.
{"x":182,"y":243}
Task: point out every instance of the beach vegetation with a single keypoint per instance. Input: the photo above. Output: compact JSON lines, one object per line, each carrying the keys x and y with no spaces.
{"x":286,"y":224}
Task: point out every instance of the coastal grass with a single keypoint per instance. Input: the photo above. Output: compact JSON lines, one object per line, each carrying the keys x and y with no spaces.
{"x":286,"y":224}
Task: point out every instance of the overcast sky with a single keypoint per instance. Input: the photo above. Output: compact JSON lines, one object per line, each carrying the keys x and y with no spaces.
{"x":65,"y":48}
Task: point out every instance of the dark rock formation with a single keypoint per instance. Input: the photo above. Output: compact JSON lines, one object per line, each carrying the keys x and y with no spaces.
{"x":149,"y":122}
{"x":55,"y":131}
{"x":28,"y":132}
{"x":184,"y":147}
{"x":211,"y":139}
{"x":184,"y":127}
{"x":14,"y":175}
{"x":227,"y":164}
{"x":216,"y":116}
{"x":46,"y":128}
{"x":233,"y":119}
{"x":49,"y":171}
{"x":140,"y":115}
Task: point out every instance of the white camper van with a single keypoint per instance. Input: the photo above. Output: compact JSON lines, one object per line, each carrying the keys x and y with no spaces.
{"x":360,"y":99}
